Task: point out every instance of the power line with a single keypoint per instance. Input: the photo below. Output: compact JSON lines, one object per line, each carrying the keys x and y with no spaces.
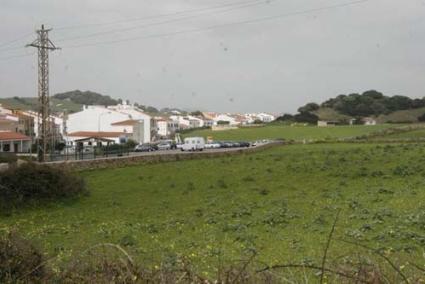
{"x":11,"y":48}
{"x":120,"y":30}
{"x":15,"y":40}
{"x":15,"y":56}
{"x":153,"y":16}
{"x":234,"y":5}
{"x":257,"y":20}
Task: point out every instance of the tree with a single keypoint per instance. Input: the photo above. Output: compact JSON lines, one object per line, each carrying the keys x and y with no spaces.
{"x":196,"y":113}
{"x":306,"y":117}
{"x":285,"y":117}
{"x":310,"y":107}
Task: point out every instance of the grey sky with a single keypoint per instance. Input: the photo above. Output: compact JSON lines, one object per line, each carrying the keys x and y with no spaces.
{"x":273,"y":66}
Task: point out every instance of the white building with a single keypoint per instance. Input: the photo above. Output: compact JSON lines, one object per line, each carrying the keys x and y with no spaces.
{"x":369,"y":121}
{"x":89,"y":138}
{"x":181,"y":120}
{"x":265,"y":117}
{"x":161,"y":127}
{"x":165,"y":127}
{"x":57,"y":123}
{"x":4,"y":111}
{"x":225,"y":118}
{"x":120,"y":120}
{"x":195,"y":122}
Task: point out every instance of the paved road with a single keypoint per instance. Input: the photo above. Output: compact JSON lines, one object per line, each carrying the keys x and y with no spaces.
{"x":89,"y":156}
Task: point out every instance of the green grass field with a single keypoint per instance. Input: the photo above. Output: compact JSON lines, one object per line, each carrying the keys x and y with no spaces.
{"x":414,"y":134}
{"x":297,"y":133}
{"x":280,"y":203}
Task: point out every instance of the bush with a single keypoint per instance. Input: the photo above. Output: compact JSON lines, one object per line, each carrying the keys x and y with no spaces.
{"x":20,"y":261}
{"x":421,"y":118}
{"x":8,"y":158}
{"x":32,"y":182}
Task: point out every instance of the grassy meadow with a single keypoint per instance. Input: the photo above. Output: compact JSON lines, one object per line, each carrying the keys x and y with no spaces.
{"x":297,"y":133}
{"x":279,"y":203}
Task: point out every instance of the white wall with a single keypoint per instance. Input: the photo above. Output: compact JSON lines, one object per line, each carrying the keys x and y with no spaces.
{"x":100,"y":119}
{"x":94,"y":118}
{"x":162,"y":127}
{"x":136,"y":114}
{"x":224,"y":117}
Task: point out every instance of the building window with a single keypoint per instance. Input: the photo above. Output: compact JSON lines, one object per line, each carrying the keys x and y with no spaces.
{"x":6,"y":148}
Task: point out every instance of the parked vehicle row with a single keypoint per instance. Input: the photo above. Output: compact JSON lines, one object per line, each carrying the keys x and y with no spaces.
{"x":191,"y":144}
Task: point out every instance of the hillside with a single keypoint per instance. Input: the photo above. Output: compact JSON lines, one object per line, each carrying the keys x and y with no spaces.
{"x":70,"y":102}
{"x":86,"y":98}
{"x":57,"y":105}
{"x":329,"y":114}
{"x":402,"y":116}
{"x":386,"y":109}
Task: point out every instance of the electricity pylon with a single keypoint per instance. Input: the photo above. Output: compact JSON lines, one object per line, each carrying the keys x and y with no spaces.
{"x":44,"y":45}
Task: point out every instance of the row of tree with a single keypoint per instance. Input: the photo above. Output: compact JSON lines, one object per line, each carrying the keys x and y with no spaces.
{"x":369,"y":103}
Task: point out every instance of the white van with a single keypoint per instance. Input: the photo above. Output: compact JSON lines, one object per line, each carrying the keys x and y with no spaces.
{"x":193,"y":144}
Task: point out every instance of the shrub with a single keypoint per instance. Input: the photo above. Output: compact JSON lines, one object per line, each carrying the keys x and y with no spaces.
{"x":8,"y":158}
{"x":33,"y":183}
{"x":20,"y":261}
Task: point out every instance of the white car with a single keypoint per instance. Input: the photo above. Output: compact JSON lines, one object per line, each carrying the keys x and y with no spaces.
{"x":212,"y":145}
{"x":164,"y":146}
{"x":193,"y":144}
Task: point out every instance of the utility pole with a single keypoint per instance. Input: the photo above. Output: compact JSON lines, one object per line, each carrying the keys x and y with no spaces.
{"x":44,"y":45}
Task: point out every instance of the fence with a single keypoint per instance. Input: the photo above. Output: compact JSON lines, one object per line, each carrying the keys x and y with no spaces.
{"x":88,"y":154}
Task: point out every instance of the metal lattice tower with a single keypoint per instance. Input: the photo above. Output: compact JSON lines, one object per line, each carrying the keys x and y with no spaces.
{"x":44,"y":45}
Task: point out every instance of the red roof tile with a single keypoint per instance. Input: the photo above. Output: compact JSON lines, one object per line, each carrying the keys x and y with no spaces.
{"x":7,"y":136}
{"x":128,"y":122}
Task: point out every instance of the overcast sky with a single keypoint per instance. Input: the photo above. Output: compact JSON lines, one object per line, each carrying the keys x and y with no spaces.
{"x":273,"y":65}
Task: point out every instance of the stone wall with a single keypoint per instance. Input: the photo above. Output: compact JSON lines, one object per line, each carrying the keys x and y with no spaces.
{"x":119,"y":162}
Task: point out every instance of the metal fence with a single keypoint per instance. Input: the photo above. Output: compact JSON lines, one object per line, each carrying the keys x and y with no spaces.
{"x":88,"y":154}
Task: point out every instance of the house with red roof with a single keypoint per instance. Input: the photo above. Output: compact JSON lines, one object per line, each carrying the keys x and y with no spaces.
{"x":13,"y":142}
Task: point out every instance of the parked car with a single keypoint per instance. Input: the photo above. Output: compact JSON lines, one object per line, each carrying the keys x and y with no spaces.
{"x":236,"y":144}
{"x":164,"y":146}
{"x":244,"y":144}
{"x":193,"y":144}
{"x":144,"y":148}
{"x":213,"y":145}
{"x":226,"y":144}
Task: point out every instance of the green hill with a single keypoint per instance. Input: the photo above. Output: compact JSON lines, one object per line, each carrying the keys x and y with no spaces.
{"x":57,"y":105}
{"x":86,"y":98}
{"x":402,"y":116}
{"x":395,"y":109}
{"x":70,"y":102}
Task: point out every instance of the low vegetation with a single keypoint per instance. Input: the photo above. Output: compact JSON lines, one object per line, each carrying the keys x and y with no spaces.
{"x":20,"y":260}
{"x":31,"y":184}
{"x":8,"y":158}
{"x":272,"y":210}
